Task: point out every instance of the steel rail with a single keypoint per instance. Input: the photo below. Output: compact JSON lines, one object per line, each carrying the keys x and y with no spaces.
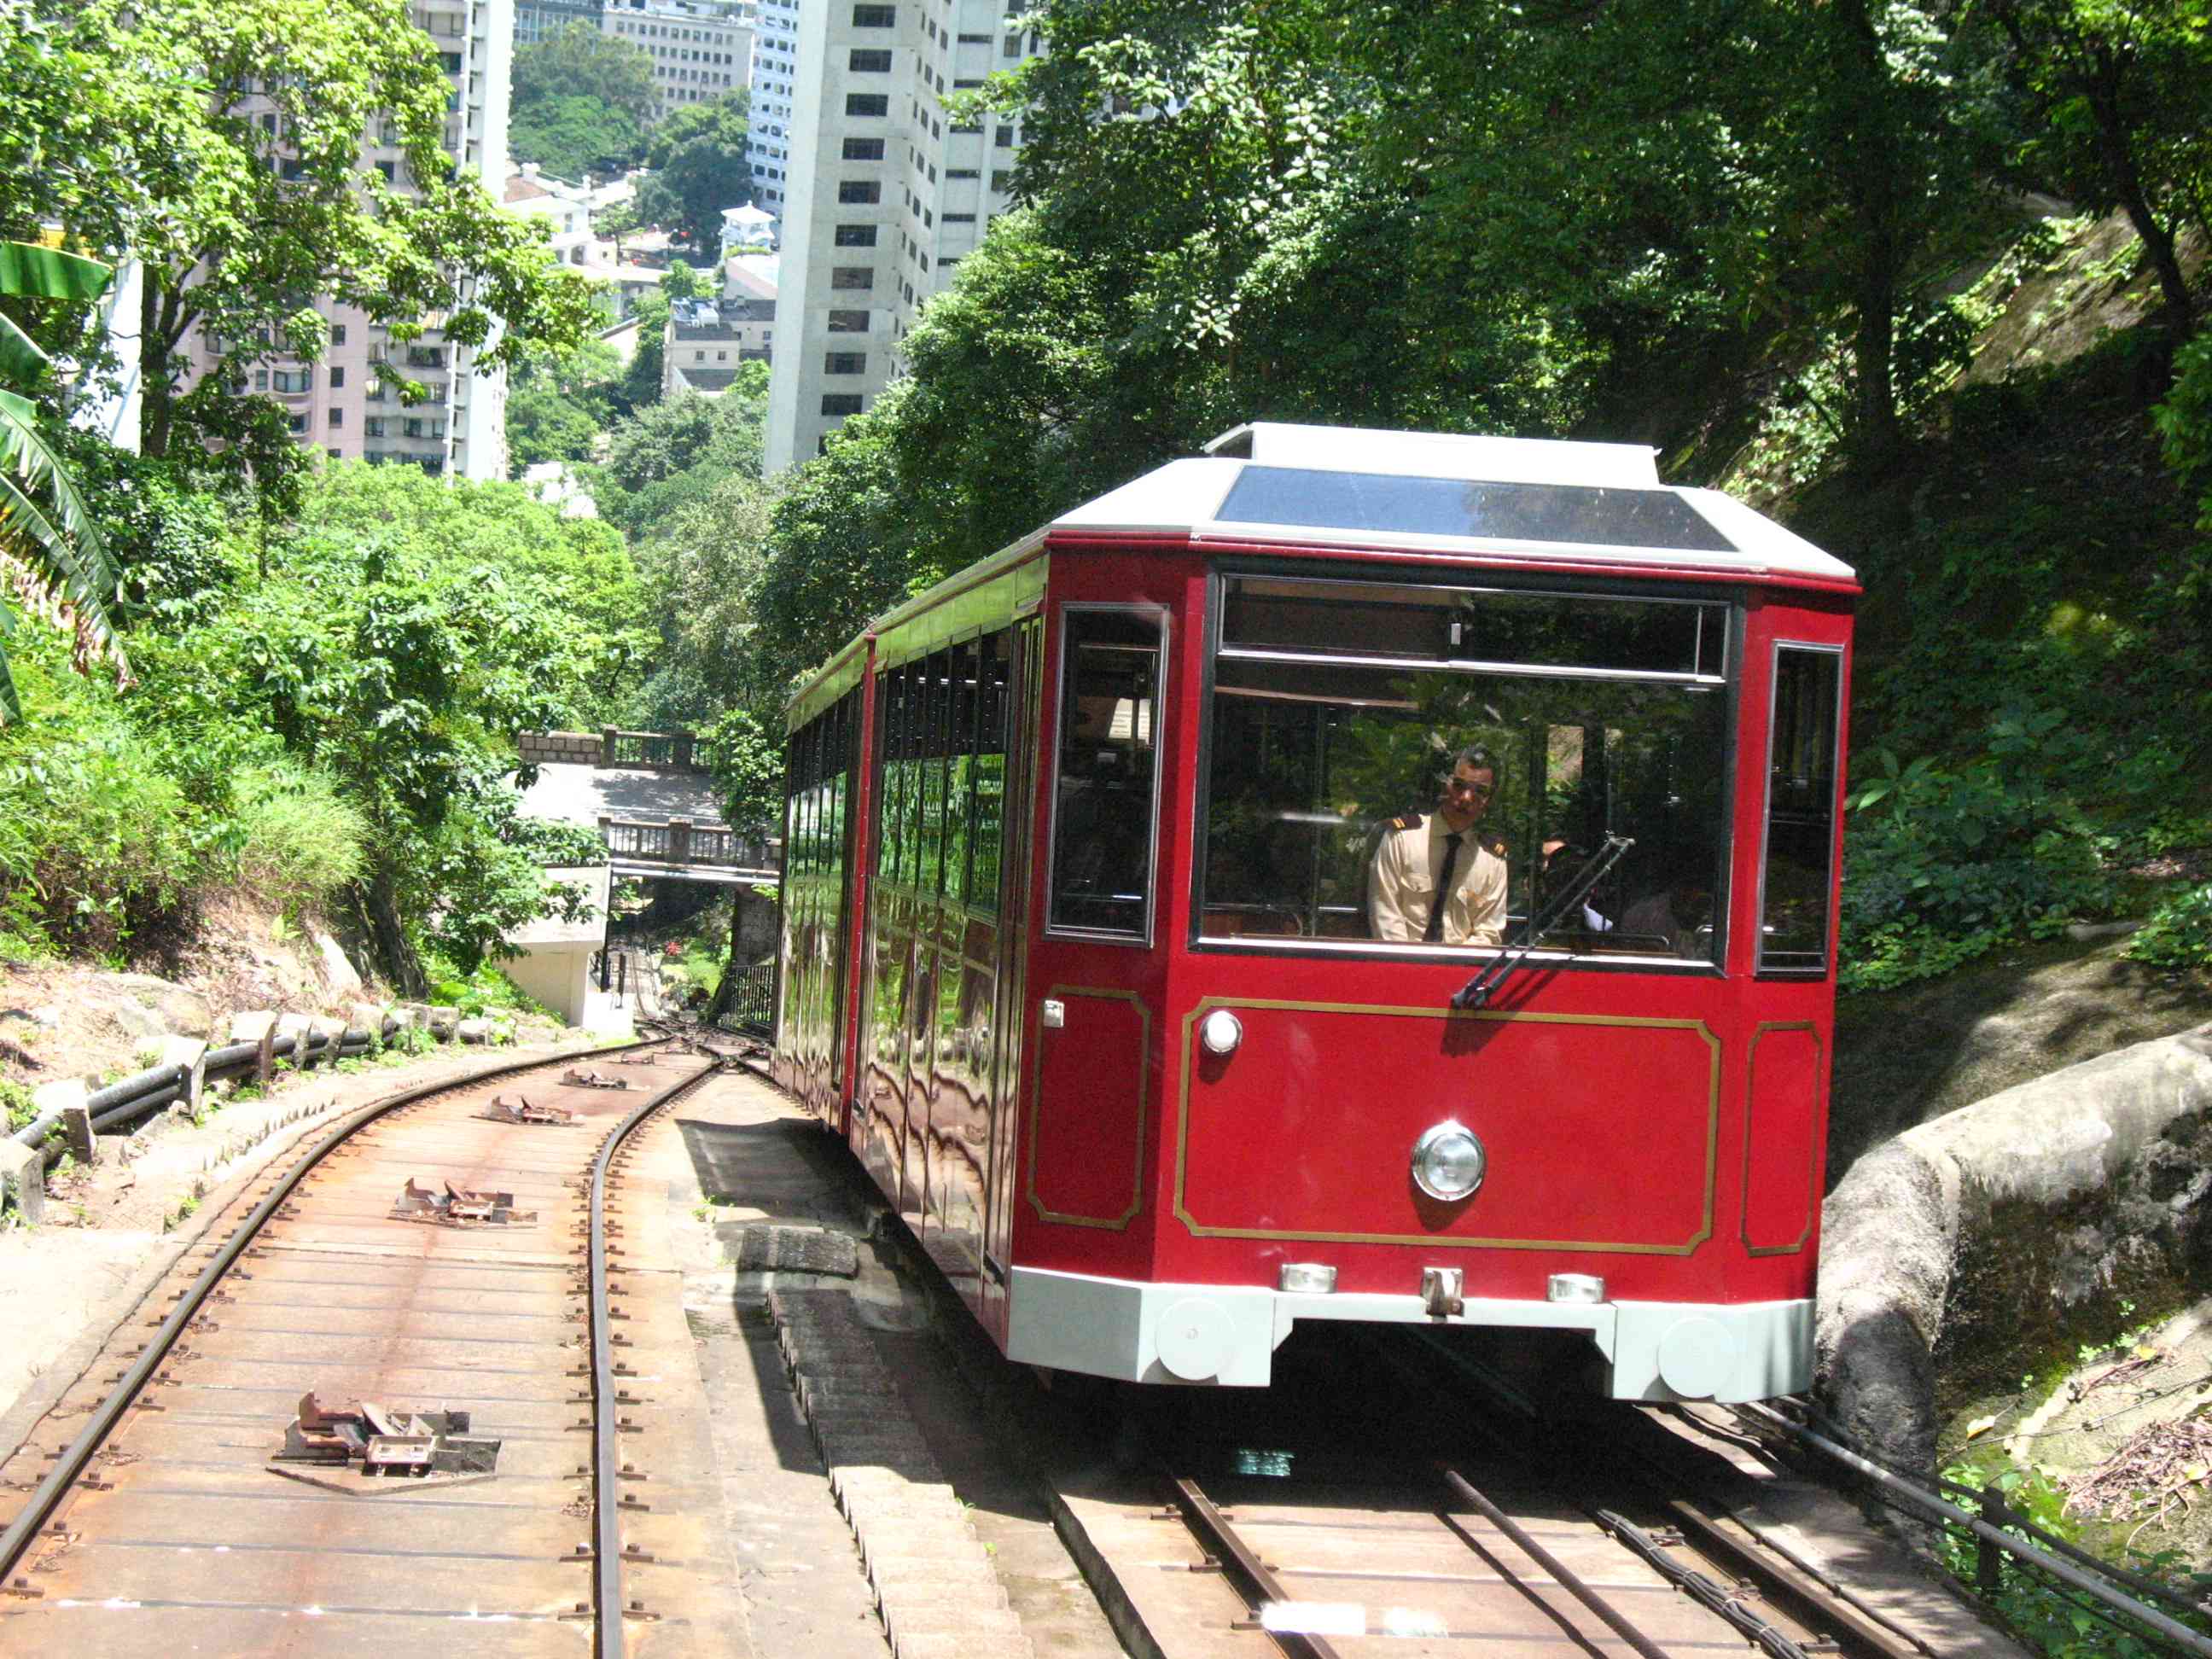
{"x":1723,"y":1604}
{"x":1562,"y":1575}
{"x":2064,"y":1571}
{"x":608,"y":1641}
{"x":1255,"y":1583}
{"x":47,"y":1499}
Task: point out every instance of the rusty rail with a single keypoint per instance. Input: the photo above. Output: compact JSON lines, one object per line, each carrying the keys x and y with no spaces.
{"x":606,"y":1455}
{"x":70,"y":1467}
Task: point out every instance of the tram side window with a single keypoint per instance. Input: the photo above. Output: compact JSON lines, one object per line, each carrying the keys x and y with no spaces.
{"x":1800,"y":803}
{"x":1103,"y":820}
{"x":1340,"y":711}
{"x":986,"y":821}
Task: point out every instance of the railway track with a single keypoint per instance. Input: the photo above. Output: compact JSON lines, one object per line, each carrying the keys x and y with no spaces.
{"x":404,"y":1387}
{"x":1380,"y":1505}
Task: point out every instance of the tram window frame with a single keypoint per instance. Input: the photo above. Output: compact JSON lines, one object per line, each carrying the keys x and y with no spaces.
{"x":1717,"y":671}
{"x":1827,"y":659}
{"x":1071,"y":615}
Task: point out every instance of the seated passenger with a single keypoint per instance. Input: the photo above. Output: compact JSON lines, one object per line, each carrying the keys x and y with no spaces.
{"x":1676,"y":911}
{"x":1435,"y":878}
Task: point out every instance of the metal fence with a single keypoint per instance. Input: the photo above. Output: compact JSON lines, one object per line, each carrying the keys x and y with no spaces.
{"x":752,"y":1007}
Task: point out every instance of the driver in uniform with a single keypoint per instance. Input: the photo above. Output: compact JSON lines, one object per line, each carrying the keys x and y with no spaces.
{"x":1436,"y":879}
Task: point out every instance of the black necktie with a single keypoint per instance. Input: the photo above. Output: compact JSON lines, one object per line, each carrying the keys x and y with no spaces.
{"x":1435,"y":931}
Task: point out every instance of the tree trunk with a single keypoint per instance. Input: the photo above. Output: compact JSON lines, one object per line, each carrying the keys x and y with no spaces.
{"x":726,"y":991}
{"x":2125,"y":178}
{"x":396,"y":962}
{"x":157,"y":387}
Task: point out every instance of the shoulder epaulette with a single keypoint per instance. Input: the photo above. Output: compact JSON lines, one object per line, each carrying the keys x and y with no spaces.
{"x":1409,"y":821}
{"x":1494,"y":845}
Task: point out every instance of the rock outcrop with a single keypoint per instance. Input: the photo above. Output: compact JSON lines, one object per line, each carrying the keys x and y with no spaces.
{"x":1989,"y":1238}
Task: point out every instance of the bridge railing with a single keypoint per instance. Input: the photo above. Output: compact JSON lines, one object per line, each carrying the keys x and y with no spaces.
{"x":681,"y":841}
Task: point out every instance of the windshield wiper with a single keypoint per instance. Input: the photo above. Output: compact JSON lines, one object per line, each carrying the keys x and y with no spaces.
{"x":1476,"y":992}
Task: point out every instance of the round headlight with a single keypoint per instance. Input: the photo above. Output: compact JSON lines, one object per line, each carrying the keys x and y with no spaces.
{"x":1221,"y":1032}
{"x":1448,"y":1162}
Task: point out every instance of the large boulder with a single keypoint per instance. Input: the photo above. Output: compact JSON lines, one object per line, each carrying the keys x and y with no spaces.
{"x":341,"y":981}
{"x":1988,"y":1240}
{"x":144,"y":1006}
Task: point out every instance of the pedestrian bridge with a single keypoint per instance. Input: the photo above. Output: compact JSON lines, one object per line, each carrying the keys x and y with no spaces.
{"x":648,"y":796}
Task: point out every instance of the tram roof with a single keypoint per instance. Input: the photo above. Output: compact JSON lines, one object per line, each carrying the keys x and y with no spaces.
{"x":1532,"y":500}
{"x":1535,"y":498}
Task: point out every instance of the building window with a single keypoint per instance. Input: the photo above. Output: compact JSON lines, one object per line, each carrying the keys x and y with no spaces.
{"x":1011,"y":46}
{"x":864,"y":149}
{"x":338,"y":375}
{"x":845,"y":362}
{"x":298,"y":424}
{"x":373,"y":427}
{"x":855,"y":192}
{"x":337,"y":334}
{"x":974,"y":39}
{"x":869,"y":60}
{"x":867,"y":103}
{"x":1002,"y":179}
{"x":852,"y":277}
{"x":950,"y":174}
{"x":959,"y":218}
{"x":849,"y":322}
{"x":1004,"y":138}
{"x":840,"y":403}
{"x":337,"y":417}
{"x":856,"y":236}
{"x":874,"y":17}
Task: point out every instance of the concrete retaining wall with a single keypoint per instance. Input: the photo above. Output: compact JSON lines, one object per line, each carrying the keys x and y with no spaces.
{"x":1987,"y":1240}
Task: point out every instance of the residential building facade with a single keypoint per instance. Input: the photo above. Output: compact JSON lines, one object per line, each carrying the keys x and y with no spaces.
{"x":701,"y":50}
{"x":344,"y":403}
{"x":775,"y":81}
{"x":887,"y":193}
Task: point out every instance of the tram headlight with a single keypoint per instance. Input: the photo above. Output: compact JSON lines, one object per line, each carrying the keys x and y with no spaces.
{"x":1221,"y":1032}
{"x":1449,"y":1162}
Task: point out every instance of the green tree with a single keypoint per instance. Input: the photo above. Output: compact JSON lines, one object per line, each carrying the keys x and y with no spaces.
{"x":672,"y":453}
{"x":52,"y":561}
{"x":574,"y":136}
{"x":640,"y":381}
{"x":686,"y":281}
{"x":699,"y":168}
{"x":557,"y":406}
{"x":2116,"y":101}
{"x":579,"y":61}
{"x":239,"y":184}
{"x":412,"y":627}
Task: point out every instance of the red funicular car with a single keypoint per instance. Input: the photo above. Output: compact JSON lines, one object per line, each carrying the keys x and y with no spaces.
{"x":1113,"y":941}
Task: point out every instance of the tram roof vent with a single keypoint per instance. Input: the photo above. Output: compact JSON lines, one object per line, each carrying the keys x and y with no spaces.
{"x":1440,"y":455}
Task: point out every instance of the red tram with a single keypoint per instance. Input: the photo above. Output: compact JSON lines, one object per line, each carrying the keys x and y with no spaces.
{"x":1085,"y":954}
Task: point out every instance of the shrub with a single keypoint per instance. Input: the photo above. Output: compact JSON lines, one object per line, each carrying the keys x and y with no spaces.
{"x":301,"y":840}
{"x":2179,"y":932}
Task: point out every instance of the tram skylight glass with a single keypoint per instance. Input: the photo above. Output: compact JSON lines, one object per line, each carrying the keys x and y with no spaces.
{"x":1578,"y":514}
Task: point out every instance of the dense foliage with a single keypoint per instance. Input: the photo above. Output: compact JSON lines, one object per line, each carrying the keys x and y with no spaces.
{"x":581,"y":101}
{"x":336,"y":737}
{"x":697,"y":157}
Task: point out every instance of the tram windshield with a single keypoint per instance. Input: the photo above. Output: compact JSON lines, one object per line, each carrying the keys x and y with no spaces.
{"x":1368,"y":737}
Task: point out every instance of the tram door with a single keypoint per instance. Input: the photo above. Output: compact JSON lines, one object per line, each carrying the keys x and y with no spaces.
{"x":1021,"y":668}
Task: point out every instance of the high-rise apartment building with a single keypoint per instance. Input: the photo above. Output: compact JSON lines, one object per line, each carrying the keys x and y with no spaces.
{"x":887,"y":194}
{"x":701,"y":49}
{"x":774,"y":78}
{"x":340,"y":404}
